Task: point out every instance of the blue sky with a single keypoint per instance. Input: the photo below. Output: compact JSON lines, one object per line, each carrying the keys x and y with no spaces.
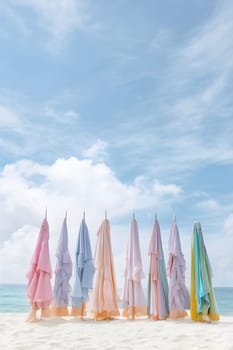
{"x":131,"y":102}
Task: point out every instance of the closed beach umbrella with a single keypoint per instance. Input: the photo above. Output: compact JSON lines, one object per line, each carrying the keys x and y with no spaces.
{"x":104,"y":299}
{"x":157,"y":284}
{"x":84,"y":271}
{"x":203,"y":304}
{"x":39,"y":290}
{"x":179,"y":299}
{"x":134,"y":302}
{"x":63,"y":274}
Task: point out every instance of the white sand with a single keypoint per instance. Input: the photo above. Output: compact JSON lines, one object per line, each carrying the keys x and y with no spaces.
{"x":72,"y":333}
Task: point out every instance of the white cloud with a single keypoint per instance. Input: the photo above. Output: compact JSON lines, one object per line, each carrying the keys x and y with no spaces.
{"x":97,"y":151}
{"x":16,"y":253}
{"x":161,"y":190}
{"x":73,"y":185}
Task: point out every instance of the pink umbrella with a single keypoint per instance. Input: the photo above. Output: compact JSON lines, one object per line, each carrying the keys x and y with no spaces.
{"x":39,"y":289}
{"x":104,"y":298}
{"x":157,"y":283}
{"x":179,"y":299}
{"x":134,"y":301}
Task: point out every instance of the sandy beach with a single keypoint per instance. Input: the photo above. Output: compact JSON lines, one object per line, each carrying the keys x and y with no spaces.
{"x":73,"y":333}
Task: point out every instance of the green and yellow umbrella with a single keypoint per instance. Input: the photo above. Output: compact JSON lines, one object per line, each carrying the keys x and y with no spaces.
{"x":203,"y":303}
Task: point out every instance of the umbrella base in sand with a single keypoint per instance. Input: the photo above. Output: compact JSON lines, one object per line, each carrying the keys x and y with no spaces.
{"x":105,"y":315}
{"x":134,"y":311}
{"x":204,"y":318}
{"x":175,"y":313}
{"x":59,"y":311}
{"x":78,"y":312}
{"x":32,"y":317}
{"x":157,"y":318}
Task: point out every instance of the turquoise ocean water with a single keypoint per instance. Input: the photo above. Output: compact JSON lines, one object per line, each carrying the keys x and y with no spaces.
{"x":13,"y":299}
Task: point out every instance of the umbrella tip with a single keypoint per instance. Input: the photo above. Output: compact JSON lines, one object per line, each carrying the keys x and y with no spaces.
{"x":84,"y":215}
{"x":105,"y":215}
{"x":66,"y":215}
{"x":46,"y":212}
{"x":156,"y":218}
{"x":133,"y":215}
{"x":174,"y":217}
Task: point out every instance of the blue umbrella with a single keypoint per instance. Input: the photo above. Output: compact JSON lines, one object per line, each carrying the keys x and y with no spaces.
{"x":84,"y":271}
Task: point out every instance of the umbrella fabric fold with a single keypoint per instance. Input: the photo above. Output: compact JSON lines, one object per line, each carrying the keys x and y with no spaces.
{"x":104,"y":299}
{"x":157,"y":284}
{"x":179,"y":299}
{"x":63,"y":274}
{"x":84,"y":272}
{"x":39,"y":290}
{"x":203,"y":303}
{"x":134,"y":302}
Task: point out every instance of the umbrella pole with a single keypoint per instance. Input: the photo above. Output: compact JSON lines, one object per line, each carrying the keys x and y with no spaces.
{"x":83,"y":312}
{"x":156,"y":304}
{"x":32,"y":316}
{"x":134,"y":313}
{"x":45,"y":313}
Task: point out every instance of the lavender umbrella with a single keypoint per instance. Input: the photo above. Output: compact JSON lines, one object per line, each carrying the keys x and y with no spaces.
{"x":133,"y":298}
{"x":63,"y":273}
{"x":179,"y":299}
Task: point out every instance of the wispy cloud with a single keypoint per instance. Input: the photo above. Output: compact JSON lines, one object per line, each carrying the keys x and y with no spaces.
{"x":181,"y":114}
{"x":212,"y":45}
{"x":59,"y":19}
{"x":29,"y":129}
{"x":188,"y":118}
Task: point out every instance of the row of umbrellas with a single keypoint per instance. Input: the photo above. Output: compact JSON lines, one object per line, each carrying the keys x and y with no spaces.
{"x":98,"y":274}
